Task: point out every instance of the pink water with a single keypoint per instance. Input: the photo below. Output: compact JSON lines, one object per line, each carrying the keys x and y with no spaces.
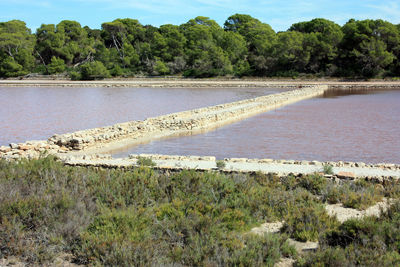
{"x":38,"y":113}
{"x":348,"y":126}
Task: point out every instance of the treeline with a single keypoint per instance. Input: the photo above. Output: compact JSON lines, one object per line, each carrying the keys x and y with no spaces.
{"x":245,"y":46}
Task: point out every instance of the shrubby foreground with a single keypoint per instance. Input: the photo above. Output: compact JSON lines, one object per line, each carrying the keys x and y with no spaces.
{"x":144,"y":217}
{"x":245,"y":46}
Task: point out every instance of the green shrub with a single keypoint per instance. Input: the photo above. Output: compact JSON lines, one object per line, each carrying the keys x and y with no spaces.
{"x":160,"y":68}
{"x":145,"y":217}
{"x":196,"y":215}
{"x":93,"y":70}
{"x":350,"y":256}
{"x":255,"y":250}
{"x":142,"y":161}
{"x":117,"y":71}
{"x":370,"y":241}
{"x":314,"y":183}
{"x":75,"y":76}
{"x":306,"y":222}
{"x":10,"y":68}
{"x":392,"y":188}
{"x":327,"y":169}
{"x":220,"y":164}
{"x":358,"y":195}
{"x":57,"y":65}
{"x":327,"y":257}
{"x":43,"y":209}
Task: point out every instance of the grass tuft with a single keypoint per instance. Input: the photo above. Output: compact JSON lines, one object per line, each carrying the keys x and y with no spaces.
{"x":143,"y":161}
{"x":220,"y":164}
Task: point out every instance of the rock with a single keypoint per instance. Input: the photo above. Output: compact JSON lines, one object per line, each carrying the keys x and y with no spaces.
{"x":303,"y":246}
{"x":360,"y":164}
{"x":17,"y":152}
{"x":5,"y":149}
{"x":285,"y":262}
{"x":238,"y":160}
{"x":266,"y":160}
{"x":288,"y":162}
{"x":25,"y":147}
{"x":379,"y":187}
{"x":346,"y":175}
{"x":14,"y":146}
{"x":63,"y":149}
{"x":268,"y":228}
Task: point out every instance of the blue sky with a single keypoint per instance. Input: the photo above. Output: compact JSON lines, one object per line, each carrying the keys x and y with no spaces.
{"x":279,"y":14}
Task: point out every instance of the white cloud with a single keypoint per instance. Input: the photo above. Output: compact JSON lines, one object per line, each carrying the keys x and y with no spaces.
{"x":391,"y":10}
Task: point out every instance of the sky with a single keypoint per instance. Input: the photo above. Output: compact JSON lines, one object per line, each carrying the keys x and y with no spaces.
{"x":280,"y":14}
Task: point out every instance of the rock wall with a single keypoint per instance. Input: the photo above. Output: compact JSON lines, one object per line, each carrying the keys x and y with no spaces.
{"x":30,"y":150}
{"x":176,"y":123}
{"x":181,"y":122}
{"x":342,"y":170}
{"x":383,"y":166}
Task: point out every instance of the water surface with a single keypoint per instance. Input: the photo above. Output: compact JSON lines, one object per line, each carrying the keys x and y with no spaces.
{"x":39,"y":112}
{"x":351,"y":126}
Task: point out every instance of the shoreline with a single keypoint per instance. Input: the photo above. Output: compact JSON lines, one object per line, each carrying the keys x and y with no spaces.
{"x":198,"y":83}
{"x":104,"y":139}
{"x":92,"y":143}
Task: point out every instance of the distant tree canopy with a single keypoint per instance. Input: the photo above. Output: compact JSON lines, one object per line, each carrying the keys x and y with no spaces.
{"x":244,"y":46}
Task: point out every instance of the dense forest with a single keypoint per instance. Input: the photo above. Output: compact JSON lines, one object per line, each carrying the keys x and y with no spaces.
{"x":244,"y":46}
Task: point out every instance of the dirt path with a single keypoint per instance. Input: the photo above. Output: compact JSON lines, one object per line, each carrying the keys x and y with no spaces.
{"x":231,"y":165}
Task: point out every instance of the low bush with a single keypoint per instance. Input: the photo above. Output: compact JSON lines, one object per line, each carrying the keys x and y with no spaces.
{"x":44,"y":207}
{"x":135,"y":217}
{"x":358,"y":195}
{"x":220,"y":164}
{"x":93,"y":70}
{"x":391,"y":188}
{"x":327,"y":169}
{"x":314,"y":183}
{"x":145,"y":217}
{"x":370,"y":241}
{"x":57,"y":65}
{"x":142,"y":161}
{"x":307,"y":221}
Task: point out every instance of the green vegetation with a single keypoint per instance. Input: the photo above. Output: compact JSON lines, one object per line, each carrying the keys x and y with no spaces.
{"x":220,"y":164}
{"x":93,"y":70}
{"x":145,"y":217}
{"x":370,"y":241}
{"x":56,"y":65}
{"x":305,"y":222}
{"x":357,"y":195}
{"x":244,"y":46}
{"x":327,"y":169}
{"x":143,"y":161}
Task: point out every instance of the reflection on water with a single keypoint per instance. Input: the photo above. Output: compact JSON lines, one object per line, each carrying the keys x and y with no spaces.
{"x":350,"y":126}
{"x":334,"y":93}
{"x":38,"y":113}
